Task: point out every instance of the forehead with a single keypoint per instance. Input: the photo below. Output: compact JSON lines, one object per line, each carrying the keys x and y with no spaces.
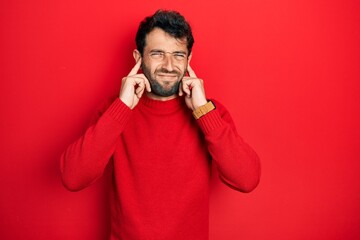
{"x":160,"y":40}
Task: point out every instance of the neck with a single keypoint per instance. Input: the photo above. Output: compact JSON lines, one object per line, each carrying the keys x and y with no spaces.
{"x":160,"y":98}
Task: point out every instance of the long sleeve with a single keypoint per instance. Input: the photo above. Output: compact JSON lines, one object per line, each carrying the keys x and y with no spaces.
{"x":85,"y":160}
{"x":236,"y":161}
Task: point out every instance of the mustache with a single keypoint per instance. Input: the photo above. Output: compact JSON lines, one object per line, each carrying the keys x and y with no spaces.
{"x":163,"y":70}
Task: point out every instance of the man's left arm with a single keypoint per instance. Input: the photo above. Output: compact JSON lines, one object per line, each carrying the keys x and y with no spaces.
{"x":237,"y":162}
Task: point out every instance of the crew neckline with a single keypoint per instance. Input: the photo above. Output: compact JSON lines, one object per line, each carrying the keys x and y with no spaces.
{"x":162,"y":106}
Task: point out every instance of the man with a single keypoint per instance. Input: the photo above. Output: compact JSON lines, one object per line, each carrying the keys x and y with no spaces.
{"x":161,"y":135}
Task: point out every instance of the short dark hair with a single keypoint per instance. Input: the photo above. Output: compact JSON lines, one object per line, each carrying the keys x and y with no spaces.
{"x":171,"y":22}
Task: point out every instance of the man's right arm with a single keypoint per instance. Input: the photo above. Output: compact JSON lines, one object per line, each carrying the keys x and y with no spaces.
{"x":84,"y":161}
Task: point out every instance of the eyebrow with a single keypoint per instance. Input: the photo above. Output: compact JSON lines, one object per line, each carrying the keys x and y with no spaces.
{"x":156,"y":50}
{"x":180,"y":52}
{"x":159,"y":50}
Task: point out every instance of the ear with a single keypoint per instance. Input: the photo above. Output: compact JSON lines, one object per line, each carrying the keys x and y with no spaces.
{"x":189,"y":57}
{"x":136,"y":55}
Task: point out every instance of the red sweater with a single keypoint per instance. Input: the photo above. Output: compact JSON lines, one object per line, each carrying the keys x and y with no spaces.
{"x":161,"y":166}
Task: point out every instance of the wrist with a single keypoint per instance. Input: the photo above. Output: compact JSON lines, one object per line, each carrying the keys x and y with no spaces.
{"x":200,"y":104}
{"x":125,"y":102}
{"x":203,"y":109}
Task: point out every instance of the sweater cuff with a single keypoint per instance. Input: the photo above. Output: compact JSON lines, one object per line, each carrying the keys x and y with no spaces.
{"x":210,"y":121}
{"x":119,"y":111}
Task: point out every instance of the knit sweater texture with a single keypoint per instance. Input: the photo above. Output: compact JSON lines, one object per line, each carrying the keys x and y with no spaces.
{"x":161,"y":162}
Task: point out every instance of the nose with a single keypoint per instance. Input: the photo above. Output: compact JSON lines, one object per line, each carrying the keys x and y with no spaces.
{"x":168,"y":63}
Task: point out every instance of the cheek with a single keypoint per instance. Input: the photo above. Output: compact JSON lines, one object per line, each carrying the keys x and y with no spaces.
{"x":152,"y":67}
{"x":181,"y":67}
{"x":148,"y":67}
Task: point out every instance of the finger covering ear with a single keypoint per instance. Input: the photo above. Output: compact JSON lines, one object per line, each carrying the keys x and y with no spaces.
{"x":136,"y":55}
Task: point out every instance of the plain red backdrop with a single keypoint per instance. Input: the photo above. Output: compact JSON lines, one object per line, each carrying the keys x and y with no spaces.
{"x":288,"y":71}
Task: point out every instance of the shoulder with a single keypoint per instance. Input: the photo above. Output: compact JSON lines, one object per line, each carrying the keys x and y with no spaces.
{"x":102,"y":107}
{"x":223,"y":112}
{"x":219,"y":106}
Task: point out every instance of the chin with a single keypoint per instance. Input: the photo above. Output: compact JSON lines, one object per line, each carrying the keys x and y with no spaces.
{"x":167,"y":91}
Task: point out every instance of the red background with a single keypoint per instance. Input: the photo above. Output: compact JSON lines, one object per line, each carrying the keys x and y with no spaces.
{"x":288,"y":71}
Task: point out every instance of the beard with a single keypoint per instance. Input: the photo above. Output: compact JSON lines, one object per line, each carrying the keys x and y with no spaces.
{"x":167,"y":88}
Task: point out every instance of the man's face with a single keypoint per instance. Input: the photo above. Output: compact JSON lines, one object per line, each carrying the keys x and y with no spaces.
{"x":164,"y":63}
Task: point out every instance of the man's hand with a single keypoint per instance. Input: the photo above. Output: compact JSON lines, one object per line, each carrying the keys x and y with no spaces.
{"x":193,"y":87}
{"x":133,"y":86}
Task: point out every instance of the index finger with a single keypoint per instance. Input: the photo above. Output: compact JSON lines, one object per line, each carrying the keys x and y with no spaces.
{"x":136,"y":68}
{"x":191,"y":72}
